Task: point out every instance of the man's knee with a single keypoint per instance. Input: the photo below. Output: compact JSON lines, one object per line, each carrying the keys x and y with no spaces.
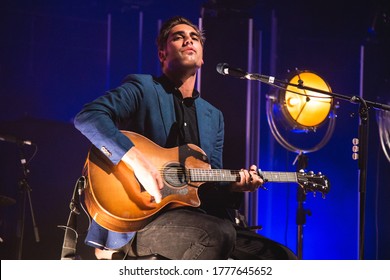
{"x":224,"y":236}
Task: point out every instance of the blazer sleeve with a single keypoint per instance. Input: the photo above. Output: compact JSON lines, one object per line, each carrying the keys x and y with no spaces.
{"x":98,"y":119}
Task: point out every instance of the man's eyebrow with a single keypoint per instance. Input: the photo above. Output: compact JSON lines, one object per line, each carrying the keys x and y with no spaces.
{"x":192,"y":33}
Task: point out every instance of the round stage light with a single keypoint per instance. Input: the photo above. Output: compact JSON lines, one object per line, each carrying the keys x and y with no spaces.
{"x":302,"y":108}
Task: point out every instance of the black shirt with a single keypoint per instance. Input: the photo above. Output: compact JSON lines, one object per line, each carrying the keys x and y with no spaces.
{"x":185,"y":129}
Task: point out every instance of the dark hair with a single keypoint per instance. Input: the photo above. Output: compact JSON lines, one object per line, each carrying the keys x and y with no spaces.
{"x":169,"y":24}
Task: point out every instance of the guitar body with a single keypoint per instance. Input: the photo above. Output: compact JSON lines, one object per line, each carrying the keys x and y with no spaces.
{"x":118,"y":202}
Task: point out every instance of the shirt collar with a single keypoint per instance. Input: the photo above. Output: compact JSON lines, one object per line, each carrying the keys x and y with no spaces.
{"x":170,"y":87}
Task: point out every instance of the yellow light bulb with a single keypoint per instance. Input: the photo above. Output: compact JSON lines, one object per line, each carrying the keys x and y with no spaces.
{"x":292,"y":101}
{"x":307,"y":108}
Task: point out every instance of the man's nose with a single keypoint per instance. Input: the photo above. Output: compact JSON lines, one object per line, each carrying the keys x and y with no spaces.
{"x":187,"y":41}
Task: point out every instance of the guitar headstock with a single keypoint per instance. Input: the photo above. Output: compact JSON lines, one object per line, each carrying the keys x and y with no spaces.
{"x":313,"y":182}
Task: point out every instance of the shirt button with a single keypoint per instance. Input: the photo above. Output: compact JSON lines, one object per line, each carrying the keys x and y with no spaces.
{"x":185,"y":124}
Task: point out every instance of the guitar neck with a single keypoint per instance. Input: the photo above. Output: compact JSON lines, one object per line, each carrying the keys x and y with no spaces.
{"x":224,"y":175}
{"x":279,"y":177}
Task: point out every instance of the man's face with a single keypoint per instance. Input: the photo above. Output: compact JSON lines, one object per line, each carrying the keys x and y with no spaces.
{"x":183,"y":49}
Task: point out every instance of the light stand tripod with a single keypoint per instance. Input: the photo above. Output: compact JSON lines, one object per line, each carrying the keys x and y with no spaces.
{"x":25,"y":193}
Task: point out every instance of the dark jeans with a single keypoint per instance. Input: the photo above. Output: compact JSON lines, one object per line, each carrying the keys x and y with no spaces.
{"x":189,"y":234}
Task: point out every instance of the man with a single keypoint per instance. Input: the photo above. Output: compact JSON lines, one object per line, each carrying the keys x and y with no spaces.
{"x":169,"y":111}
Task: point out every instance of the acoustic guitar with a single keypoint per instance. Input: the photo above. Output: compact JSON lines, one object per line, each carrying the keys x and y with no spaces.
{"x":118,"y":202}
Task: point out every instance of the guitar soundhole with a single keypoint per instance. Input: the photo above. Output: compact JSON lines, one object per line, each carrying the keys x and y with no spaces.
{"x":174,"y":174}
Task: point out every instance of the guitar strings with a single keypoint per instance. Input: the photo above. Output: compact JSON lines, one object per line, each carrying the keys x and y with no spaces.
{"x":198,"y":173}
{"x":164,"y":170}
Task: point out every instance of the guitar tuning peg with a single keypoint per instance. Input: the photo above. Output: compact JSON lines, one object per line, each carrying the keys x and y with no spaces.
{"x":310,"y":173}
{"x":319,"y":173}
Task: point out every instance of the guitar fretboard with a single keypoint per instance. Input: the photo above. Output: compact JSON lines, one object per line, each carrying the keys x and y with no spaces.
{"x":280,"y":177}
{"x":213,"y":175}
{"x":223,"y":175}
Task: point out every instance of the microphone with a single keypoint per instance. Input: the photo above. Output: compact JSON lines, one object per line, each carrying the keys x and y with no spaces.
{"x":13,"y":139}
{"x":225,"y":69}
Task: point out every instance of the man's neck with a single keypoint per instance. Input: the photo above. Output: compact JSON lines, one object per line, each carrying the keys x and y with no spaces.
{"x":185,"y":83}
{"x":187,"y":87}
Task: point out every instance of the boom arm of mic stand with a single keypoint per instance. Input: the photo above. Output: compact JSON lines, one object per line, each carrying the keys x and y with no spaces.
{"x":353,"y":99}
{"x":272,"y":81}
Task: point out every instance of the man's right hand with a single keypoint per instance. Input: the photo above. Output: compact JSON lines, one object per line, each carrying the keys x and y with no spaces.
{"x":146,"y":173}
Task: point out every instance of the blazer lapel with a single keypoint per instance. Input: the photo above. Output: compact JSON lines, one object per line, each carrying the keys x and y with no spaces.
{"x":205,"y":125}
{"x":166,"y":107}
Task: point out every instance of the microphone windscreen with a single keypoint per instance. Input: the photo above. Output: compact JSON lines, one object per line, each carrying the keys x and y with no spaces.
{"x":221,"y":67}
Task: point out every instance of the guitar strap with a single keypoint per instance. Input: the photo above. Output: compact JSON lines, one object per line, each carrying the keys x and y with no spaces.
{"x":70,"y":237}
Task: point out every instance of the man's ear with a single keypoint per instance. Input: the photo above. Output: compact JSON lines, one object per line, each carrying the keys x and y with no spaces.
{"x":161,"y":55}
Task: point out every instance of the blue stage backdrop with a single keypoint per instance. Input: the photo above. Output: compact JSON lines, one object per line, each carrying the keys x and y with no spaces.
{"x":58,"y":55}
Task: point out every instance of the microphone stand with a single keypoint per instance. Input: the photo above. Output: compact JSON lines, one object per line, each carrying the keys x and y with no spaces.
{"x":301,"y":211}
{"x":25,"y":193}
{"x":364,"y":106}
